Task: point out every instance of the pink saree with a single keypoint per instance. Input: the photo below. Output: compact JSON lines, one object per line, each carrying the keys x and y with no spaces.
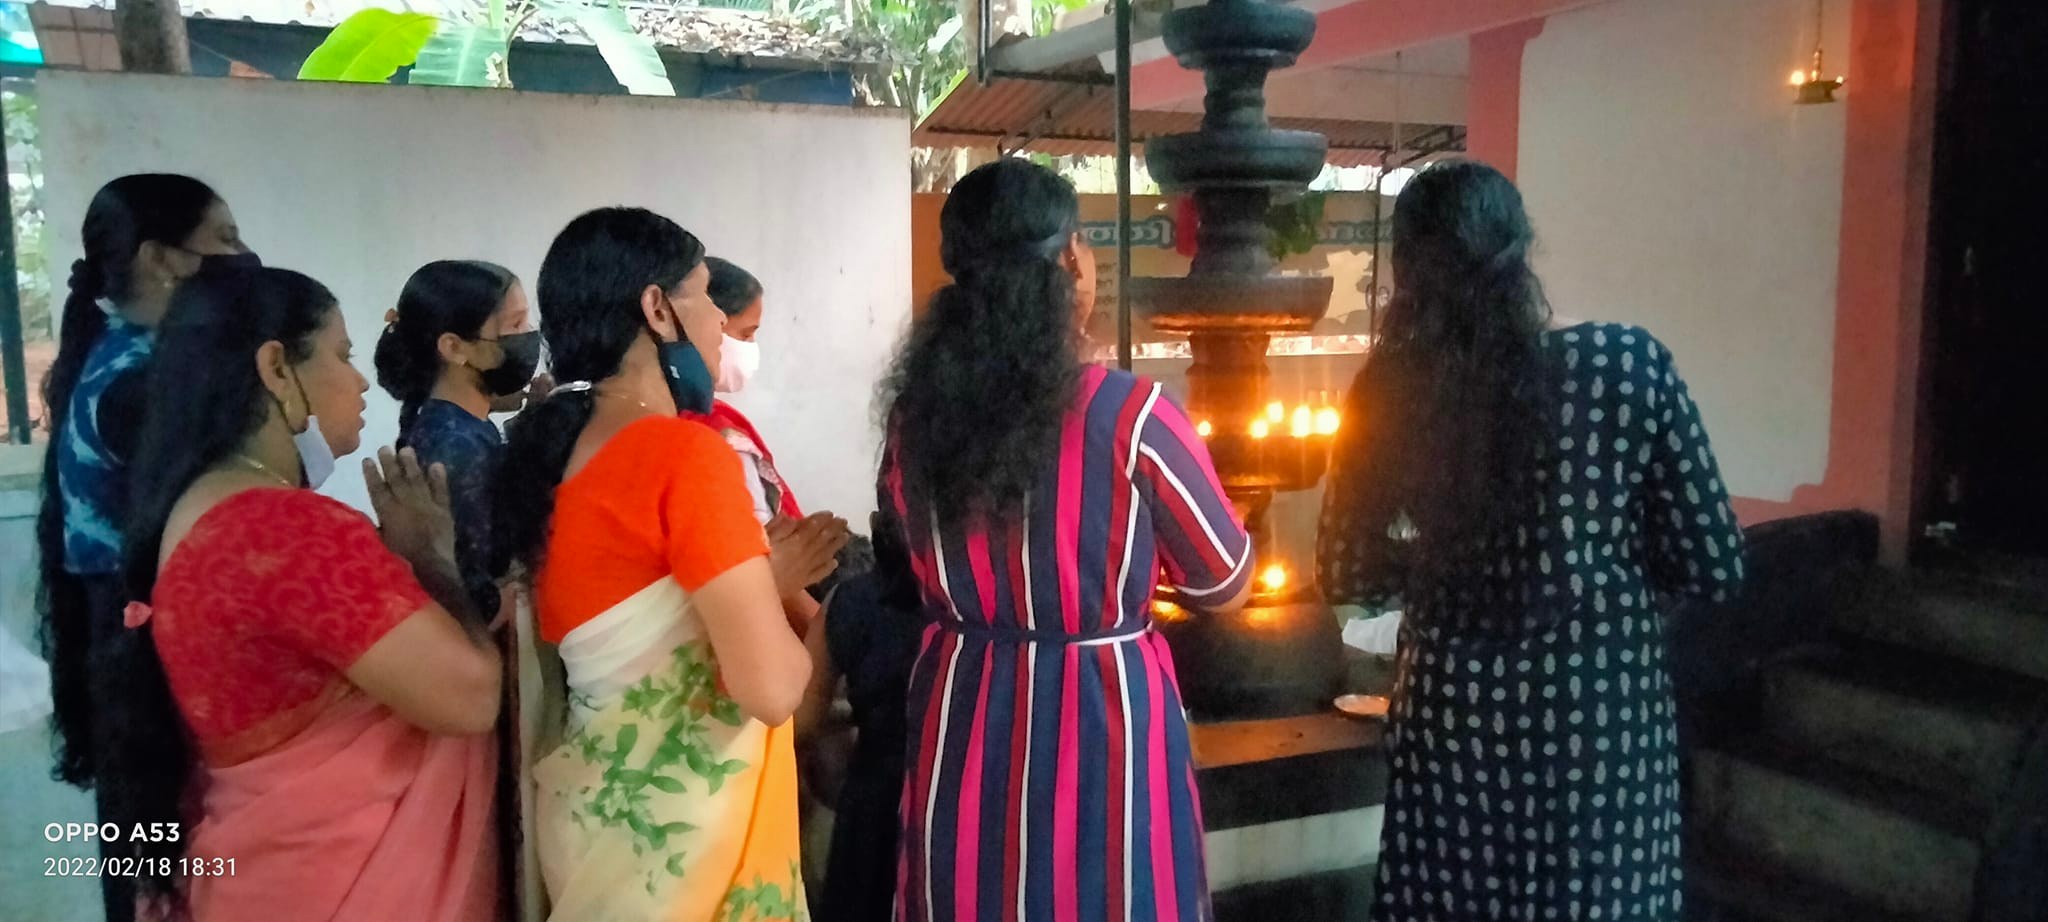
{"x":312,"y":802}
{"x":360,"y":816}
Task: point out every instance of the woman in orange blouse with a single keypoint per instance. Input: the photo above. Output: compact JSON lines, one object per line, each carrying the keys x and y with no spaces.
{"x":672,"y":793}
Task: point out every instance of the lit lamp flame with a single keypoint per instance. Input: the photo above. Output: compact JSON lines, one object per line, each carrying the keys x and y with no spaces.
{"x":1204,"y":430}
{"x":1813,"y":89}
{"x":1273,"y":578}
{"x":1327,"y":421}
{"x":1260,"y":430}
{"x":1303,"y":423}
{"x":1276,"y":413}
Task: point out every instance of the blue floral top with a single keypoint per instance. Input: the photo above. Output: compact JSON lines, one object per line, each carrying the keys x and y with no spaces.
{"x":470,"y":449}
{"x":100,"y":430}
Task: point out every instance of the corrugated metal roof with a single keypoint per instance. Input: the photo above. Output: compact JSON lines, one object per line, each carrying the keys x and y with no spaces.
{"x":1068,"y":119}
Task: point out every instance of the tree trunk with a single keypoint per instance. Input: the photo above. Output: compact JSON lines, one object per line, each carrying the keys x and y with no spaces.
{"x":151,"y":34}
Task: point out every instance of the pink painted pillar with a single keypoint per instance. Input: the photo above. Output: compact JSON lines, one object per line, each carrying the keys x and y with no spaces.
{"x":1493,"y":108}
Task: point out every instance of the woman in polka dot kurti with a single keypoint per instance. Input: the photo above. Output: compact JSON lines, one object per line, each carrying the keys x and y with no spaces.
{"x":1527,"y":490}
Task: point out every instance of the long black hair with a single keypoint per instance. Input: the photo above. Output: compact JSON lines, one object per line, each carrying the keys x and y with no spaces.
{"x":206,"y":352}
{"x":1452,"y":413}
{"x":590,"y":287}
{"x":447,"y":296}
{"x":126,"y":213}
{"x":732,"y":288}
{"x":976,"y":398}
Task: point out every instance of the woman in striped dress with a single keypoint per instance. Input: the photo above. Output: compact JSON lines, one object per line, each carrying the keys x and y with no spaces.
{"x":1049,"y":768}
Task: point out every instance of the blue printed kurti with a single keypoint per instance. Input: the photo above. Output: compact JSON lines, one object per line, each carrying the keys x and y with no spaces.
{"x":91,"y":478}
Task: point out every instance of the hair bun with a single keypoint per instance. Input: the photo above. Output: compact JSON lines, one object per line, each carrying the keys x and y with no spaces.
{"x":399,"y":371}
{"x":85,"y":279}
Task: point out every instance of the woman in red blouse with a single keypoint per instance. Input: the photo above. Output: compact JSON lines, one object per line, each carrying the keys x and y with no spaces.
{"x":334,"y":679}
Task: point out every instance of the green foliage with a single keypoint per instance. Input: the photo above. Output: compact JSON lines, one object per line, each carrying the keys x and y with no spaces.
{"x":1296,"y":225}
{"x":925,"y":38}
{"x":1045,"y":13}
{"x":369,"y":47}
{"x":474,"y":49}
{"x":922,"y":37}
{"x":31,"y":265}
{"x":632,"y":57}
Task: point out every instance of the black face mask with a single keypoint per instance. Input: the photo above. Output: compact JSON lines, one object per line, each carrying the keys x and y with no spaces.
{"x":519,"y":357}
{"x":682,"y":366}
{"x":243,"y":260}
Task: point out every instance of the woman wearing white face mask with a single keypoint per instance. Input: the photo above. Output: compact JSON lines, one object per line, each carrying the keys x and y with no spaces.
{"x":805,"y":548}
{"x":288,"y":668}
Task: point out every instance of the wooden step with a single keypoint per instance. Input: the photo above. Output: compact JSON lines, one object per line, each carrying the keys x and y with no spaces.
{"x":1895,"y":847}
{"x":1929,"y":722}
{"x":1721,"y":887}
{"x":2002,"y":627}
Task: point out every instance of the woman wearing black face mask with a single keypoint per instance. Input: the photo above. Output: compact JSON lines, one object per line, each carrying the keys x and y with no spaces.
{"x":143,"y":234}
{"x":460,"y":344}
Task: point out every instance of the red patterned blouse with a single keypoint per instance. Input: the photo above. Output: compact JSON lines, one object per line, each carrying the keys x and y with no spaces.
{"x":263,"y":605}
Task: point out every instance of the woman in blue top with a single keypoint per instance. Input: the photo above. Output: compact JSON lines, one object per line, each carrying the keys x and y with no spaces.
{"x":460,"y":345}
{"x":143,"y":234}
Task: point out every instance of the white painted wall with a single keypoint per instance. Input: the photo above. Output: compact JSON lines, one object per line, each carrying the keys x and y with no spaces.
{"x":1674,"y":185}
{"x":357,"y":186}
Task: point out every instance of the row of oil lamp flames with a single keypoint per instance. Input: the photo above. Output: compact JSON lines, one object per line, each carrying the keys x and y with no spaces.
{"x":1300,"y":422}
{"x":1272,"y":579}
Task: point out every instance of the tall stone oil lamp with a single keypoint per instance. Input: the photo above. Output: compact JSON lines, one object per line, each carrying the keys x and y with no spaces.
{"x":1282,"y":655}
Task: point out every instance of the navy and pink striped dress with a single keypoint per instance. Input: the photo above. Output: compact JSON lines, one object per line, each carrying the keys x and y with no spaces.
{"x":1050,"y":776}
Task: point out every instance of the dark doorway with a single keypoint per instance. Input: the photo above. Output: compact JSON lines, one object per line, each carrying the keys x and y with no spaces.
{"x":1989,"y":316}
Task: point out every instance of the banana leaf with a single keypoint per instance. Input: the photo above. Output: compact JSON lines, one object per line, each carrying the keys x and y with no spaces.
{"x":460,"y":55}
{"x":632,"y":57}
{"x":370,"y":46}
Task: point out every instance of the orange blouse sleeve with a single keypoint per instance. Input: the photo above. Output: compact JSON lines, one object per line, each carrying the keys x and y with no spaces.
{"x":707,"y":514}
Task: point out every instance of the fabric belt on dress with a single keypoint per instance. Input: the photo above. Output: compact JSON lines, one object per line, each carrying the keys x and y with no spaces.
{"x":990,"y":633}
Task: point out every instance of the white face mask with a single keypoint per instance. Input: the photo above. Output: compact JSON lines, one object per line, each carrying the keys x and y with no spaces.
{"x":316,"y":457}
{"x":738,"y":361}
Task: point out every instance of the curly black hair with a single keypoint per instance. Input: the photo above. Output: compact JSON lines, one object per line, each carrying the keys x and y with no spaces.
{"x":975,"y":401}
{"x":1454,"y":409}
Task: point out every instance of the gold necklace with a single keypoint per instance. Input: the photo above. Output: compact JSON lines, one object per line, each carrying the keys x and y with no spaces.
{"x":642,"y":404}
{"x":262,"y":468}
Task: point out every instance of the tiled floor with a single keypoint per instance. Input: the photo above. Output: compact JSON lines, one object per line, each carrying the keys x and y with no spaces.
{"x":28,"y":801}
{"x":28,"y":798}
